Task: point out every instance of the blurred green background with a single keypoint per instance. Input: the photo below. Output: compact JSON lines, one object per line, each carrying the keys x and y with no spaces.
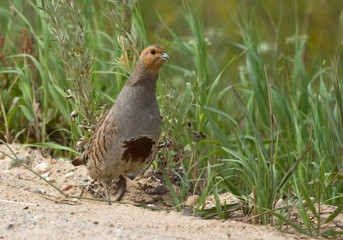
{"x":320,"y":22}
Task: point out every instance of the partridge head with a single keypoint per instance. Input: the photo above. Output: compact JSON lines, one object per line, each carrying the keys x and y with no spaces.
{"x":127,"y":134}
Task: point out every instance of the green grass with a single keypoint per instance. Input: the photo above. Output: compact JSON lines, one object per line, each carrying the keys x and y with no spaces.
{"x":268,"y":122}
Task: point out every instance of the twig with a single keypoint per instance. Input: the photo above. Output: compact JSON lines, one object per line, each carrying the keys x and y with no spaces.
{"x":58,"y":201}
{"x":271,"y":131}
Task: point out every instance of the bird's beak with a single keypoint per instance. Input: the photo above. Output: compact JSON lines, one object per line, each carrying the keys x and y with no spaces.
{"x":164,"y":56}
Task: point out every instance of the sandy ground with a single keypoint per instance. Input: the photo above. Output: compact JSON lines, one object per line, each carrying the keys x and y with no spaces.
{"x":32,"y":209}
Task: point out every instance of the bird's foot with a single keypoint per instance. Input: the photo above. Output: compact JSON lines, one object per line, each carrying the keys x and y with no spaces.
{"x":121,"y":187}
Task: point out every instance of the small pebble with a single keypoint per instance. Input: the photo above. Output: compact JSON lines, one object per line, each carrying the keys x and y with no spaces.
{"x":85,"y":180}
{"x":9,"y":226}
{"x":280,"y":203}
{"x":186,"y":212}
{"x":132,"y":175}
{"x":53,"y":161}
{"x":38,"y":191}
{"x":69,"y":175}
{"x":211,"y":206}
{"x":235,"y":200}
{"x":96,"y":222}
{"x":156,"y":197}
{"x":66,"y":187}
{"x":42,"y":168}
{"x":148,"y":172}
{"x":50,"y":179}
{"x":15,"y":163}
{"x":45,"y":175}
{"x":38,"y":217}
{"x":149,"y":200}
{"x":192,"y":200}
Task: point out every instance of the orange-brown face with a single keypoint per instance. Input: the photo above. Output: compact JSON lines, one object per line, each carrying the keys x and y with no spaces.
{"x":154,"y":57}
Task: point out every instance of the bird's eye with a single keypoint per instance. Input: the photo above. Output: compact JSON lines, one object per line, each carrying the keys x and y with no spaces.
{"x":152,"y":52}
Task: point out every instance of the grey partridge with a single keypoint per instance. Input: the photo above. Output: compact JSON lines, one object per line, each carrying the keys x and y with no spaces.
{"x":127,"y":134}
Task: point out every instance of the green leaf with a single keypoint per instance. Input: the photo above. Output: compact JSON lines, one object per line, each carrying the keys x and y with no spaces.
{"x":183,"y":109}
{"x":170,"y":186}
{"x":334,"y":214}
{"x":308,"y":200}
{"x":216,"y":129}
{"x":291,"y":170}
{"x":254,"y":129}
{"x":52,"y":146}
{"x":224,"y":114}
{"x":218,"y":205}
{"x":331,"y":233}
{"x":27,"y":113}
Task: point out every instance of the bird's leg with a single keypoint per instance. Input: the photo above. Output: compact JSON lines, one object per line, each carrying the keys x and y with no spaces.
{"x":107,"y":194}
{"x":121,"y":187}
{"x":82,"y":190}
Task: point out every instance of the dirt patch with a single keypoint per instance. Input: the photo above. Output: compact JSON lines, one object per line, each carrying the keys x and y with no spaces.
{"x":32,"y":209}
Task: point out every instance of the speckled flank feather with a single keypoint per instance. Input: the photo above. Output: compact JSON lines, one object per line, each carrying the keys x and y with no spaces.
{"x":127,"y":134}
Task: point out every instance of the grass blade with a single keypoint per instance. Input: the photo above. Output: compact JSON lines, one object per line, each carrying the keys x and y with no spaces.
{"x":52,"y":146}
{"x":254,"y":129}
